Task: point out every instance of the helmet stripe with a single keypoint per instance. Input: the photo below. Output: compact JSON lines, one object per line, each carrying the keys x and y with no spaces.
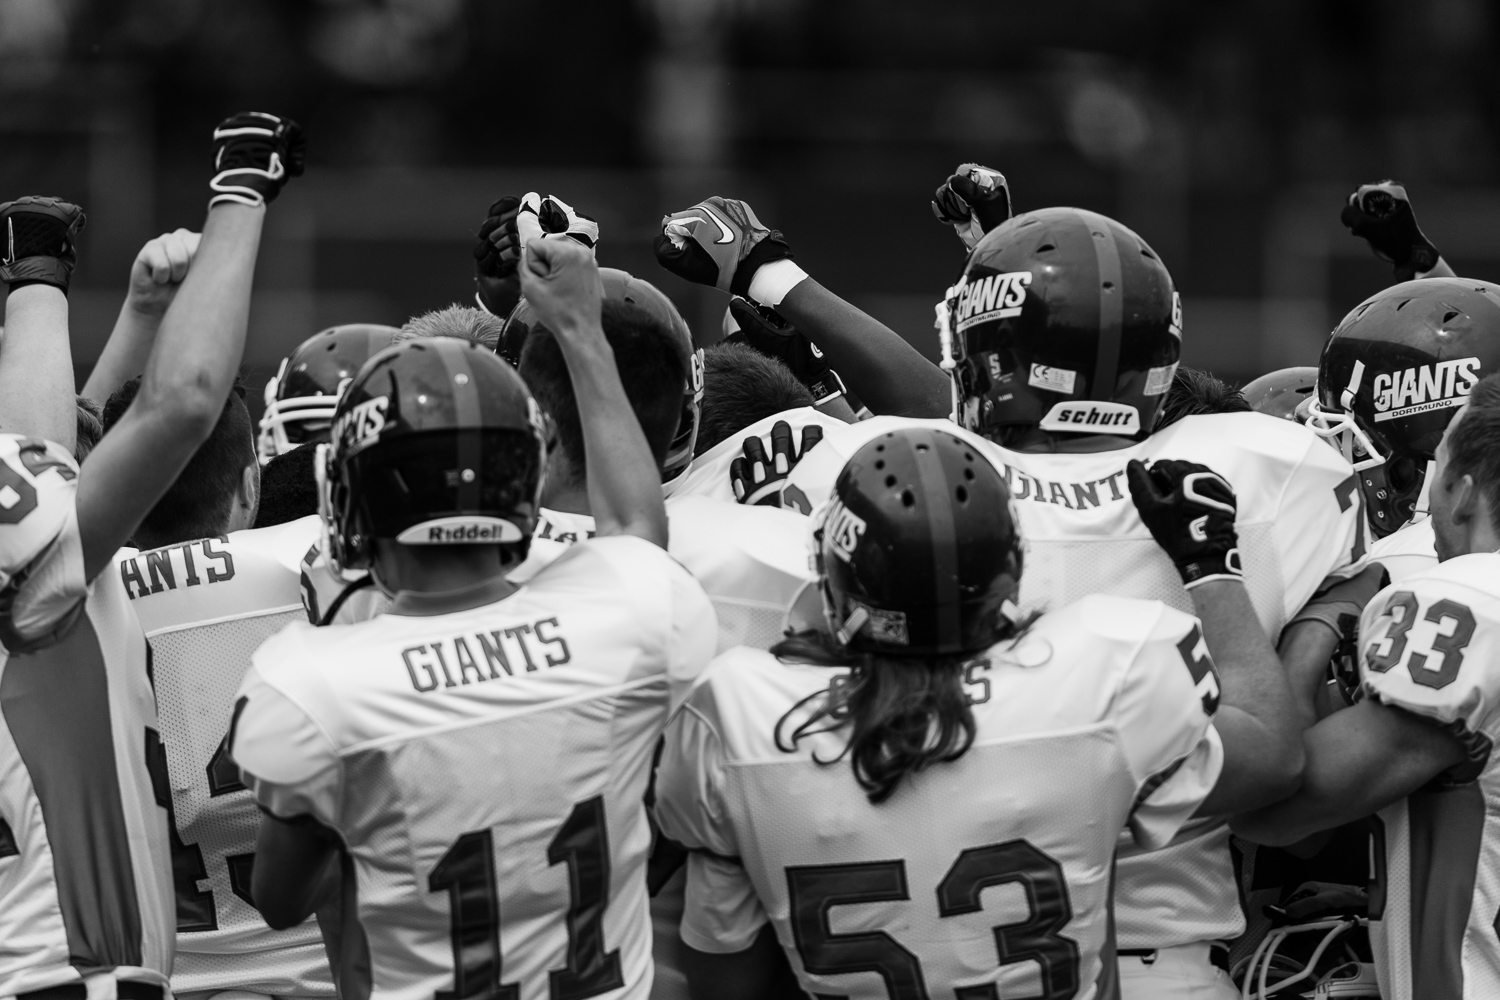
{"x":466,"y":411}
{"x":1111,"y":304}
{"x":937,"y":494}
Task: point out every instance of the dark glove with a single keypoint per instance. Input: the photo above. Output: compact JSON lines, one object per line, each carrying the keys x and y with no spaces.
{"x":973,"y":201}
{"x":718,"y":242}
{"x":497,"y":249}
{"x":1190,"y":511}
{"x":768,"y":333}
{"x":1320,"y":901}
{"x":756,"y":477}
{"x":1381,"y":215}
{"x":41,"y":241}
{"x":254,"y":155}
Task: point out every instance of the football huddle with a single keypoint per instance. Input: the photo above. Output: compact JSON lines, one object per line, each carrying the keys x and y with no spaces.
{"x":544,"y":647}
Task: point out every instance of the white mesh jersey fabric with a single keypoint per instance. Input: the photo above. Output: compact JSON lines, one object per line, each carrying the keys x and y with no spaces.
{"x":203,"y":626}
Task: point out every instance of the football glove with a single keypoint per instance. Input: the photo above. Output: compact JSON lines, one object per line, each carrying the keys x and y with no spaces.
{"x":254,"y":155}
{"x":1381,"y":215}
{"x":768,"y":333}
{"x":496,"y":251}
{"x":756,"y":478}
{"x":973,"y":201}
{"x":1190,"y":511}
{"x":40,"y":241}
{"x":718,"y":242}
{"x":549,"y":217}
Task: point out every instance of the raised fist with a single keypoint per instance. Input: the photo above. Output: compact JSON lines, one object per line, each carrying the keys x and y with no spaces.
{"x":1381,"y":215}
{"x":254,"y":155}
{"x":159,"y":269}
{"x":550,"y":217}
{"x":768,"y":333}
{"x":1190,"y":510}
{"x":40,"y":241}
{"x":973,"y":201}
{"x":718,"y":242}
{"x":757,"y":477}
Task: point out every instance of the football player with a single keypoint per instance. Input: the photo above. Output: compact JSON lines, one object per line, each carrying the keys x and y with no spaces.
{"x":86,"y":872}
{"x":987,"y":750}
{"x":1417,"y":745}
{"x":475,"y":760}
{"x":1067,"y":330}
{"x":207,"y":593}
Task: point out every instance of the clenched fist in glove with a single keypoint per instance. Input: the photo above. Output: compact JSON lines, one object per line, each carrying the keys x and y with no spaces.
{"x":254,"y":155}
{"x":1190,"y":510}
{"x":757,"y":477}
{"x":510,"y":223}
{"x":973,"y":201}
{"x":40,"y":241}
{"x":719,"y":242}
{"x":1381,"y":215}
{"x":768,"y":333}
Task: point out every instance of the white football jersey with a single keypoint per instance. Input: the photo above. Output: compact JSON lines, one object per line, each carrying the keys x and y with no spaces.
{"x":709,"y":474}
{"x":1407,"y":551}
{"x":1431,"y":645}
{"x":205,"y":606}
{"x":1096,"y":721}
{"x":328,"y":598}
{"x":85,"y":868}
{"x":750,"y":560}
{"x":485,"y":769}
{"x":1300,"y":520}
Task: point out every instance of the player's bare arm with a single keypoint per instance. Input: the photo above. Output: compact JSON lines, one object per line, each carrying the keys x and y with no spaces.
{"x":1190,"y":512}
{"x":296,"y":869}
{"x":720,"y":242}
{"x":561,"y":281}
{"x":155,"y":276}
{"x":1310,"y":641}
{"x":37,"y":243}
{"x":198,"y":347}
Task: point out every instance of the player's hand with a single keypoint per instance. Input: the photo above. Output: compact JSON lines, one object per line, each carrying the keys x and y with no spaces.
{"x":159,"y":269}
{"x":718,"y":242}
{"x":973,"y":201}
{"x":1381,"y":215}
{"x":768,"y":333}
{"x":497,"y":250}
{"x":254,"y":156}
{"x":561,"y":282}
{"x":757,"y":477}
{"x":549,"y":217}
{"x":39,"y":241}
{"x":1190,"y":511}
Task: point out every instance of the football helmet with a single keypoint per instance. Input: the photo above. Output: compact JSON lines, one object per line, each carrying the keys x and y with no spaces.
{"x":917,"y":551}
{"x":1284,"y":393}
{"x":301,"y":397}
{"x":1392,"y":375}
{"x":434,"y":442}
{"x":622,"y":286}
{"x":1064,"y":320}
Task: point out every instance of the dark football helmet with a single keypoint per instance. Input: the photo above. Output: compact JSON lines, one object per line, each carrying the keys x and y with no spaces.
{"x":434,"y":442}
{"x":1391,"y":377}
{"x":1063,"y":320}
{"x":622,"y":286}
{"x":301,"y":397}
{"x":916,"y":550}
{"x":1283,"y":393}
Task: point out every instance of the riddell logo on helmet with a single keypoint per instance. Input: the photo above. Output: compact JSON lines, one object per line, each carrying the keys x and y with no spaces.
{"x":1090,"y":416}
{"x":1424,"y":388}
{"x":461,"y":530}
{"x":996,"y":296}
{"x":843,"y":529}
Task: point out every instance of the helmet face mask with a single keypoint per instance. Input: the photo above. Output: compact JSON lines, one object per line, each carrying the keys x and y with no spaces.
{"x":301,"y":398}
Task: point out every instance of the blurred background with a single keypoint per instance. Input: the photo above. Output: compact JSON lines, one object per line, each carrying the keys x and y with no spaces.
{"x":1227,"y":134}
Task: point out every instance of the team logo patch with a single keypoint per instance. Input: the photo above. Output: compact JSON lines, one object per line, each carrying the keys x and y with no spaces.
{"x":1176,"y":327}
{"x":883,"y":626}
{"x":1159,"y":380}
{"x":463,"y":529}
{"x":843,"y":529}
{"x":1092,"y":416}
{"x":995,"y":296}
{"x":1052,"y":379}
{"x":1424,"y":388}
{"x":360,"y":427}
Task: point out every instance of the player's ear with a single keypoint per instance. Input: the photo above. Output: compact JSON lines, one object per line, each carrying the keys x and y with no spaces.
{"x":250,"y":489}
{"x":1467,"y":502}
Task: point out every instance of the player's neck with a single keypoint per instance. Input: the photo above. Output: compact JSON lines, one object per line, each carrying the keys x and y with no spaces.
{"x":1037,"y":441}
{"x":566,"y":489}
{"x":427,"y":581}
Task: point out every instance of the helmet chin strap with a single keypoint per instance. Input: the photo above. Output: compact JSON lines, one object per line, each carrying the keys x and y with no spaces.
{"x":1427,"y":476}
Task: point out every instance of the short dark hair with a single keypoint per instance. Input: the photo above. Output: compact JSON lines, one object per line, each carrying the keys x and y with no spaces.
{"x":1193,"y":392}
{"x":288,"y":487}
{"x":90,"y":428}
{"x":197,"y":505}
{"x":652,"y":369}
{"x":1474,"y":443}
{"x":741,"y":386}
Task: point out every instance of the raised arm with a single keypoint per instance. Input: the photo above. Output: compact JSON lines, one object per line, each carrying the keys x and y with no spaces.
{"x":561,"y":282}
{"x":157,"y":273}
{"x":37,"y":243}
{"x":197,"y":352}
{"x":1382,"y":216}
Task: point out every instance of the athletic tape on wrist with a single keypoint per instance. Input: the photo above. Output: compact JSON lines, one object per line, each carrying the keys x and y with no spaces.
{"x":771,"y":282}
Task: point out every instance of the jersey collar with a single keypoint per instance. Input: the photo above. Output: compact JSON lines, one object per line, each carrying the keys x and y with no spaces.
{"x":444,"y":602}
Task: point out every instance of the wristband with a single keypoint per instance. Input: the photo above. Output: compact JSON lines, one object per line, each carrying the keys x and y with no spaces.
{"x":771,"y":282}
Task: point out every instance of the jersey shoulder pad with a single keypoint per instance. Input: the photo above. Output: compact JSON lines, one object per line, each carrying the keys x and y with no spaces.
{"x":1260,"y":455}
{"x":740,"y":551}
{"x":38,"y":484}
{"x":709,"y":474}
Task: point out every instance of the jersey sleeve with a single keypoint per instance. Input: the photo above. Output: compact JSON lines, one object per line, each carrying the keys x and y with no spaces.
{"x":286,"y":759}
{"x":42,"y":581}
{"x":1319,"y":527}
{"x":721,"y":912}
{"x":1164,"y":711}
{"x":1429,"y":645}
